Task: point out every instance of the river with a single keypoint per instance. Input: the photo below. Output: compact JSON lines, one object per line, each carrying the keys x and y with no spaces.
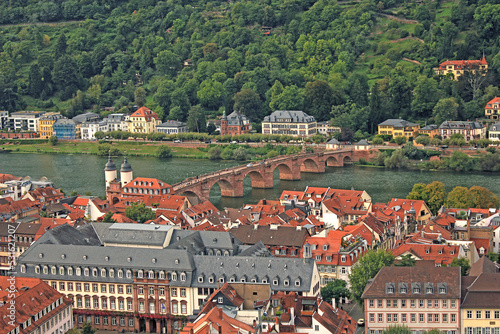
{"x":85,"y":173}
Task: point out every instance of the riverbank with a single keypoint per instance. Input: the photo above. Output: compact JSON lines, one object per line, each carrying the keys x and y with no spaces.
{"x":144,"y":149}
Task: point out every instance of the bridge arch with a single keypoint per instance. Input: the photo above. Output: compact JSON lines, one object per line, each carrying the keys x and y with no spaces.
{"x":310,"y":166}
{"x":285,"y":172}
{"x":332,"y":161}
{"x":192,"y":197}
{"x":259,"y":180}
{"x":347,"y":160}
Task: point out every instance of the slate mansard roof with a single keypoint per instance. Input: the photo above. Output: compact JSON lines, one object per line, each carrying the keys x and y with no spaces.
{"x":249,"y":268}
{"x":95,"y":257}
{"x":289,"y":116}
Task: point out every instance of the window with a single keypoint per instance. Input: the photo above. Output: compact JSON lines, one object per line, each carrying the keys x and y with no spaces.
{"x":436,"y":303}
{"x":122,"y":321}
{"x":469,"y":314}
{"x":220,"y":300}
{"x":120,"y":288}
{"x":412,"y":317}
{"x":86,"y":287}
{"x":111,"y":288}
{"x":479,"y":314}
{"x":379,"y":302}
{"x":395,"y":303}
{"x":175,"y":307}
{"x":497,"y":314}
{"x":487,"y":314}
{"x":70,"y":286}
{"x":121,"y":305}
{"x":96,"y":303}
{"x":318,"y":257}
{"x":395,"y":317}
{"x":372,"y":317}
{"x":445,"y":303}
{"x":151,"y":291}
{"x":412,"y":303}
{"x":389,"y":317}
{"x":174,"y":292}
{"x":103,"y":288}
{"x":453,"y":318}
{"x":113,"y":321}
{"x":380,"y":317}
{"x":429,"y":303}
{"x":421,"y":303}
{"x":131,"y":322}
{"x":403,"y":317}
{"x":436,"y":317}
{"x":421,"y":317}
{"x":403,"y":303}
{"x":183,"y":292}
{"x":429,"y":317}
{"x":61,"y":286}
{"x":97,"y":319}
{"x":129,"y":305}
{"x":112,"y":304}
{"x":445,"y":317}
{"x":372,"y":303}
{"x":452,"y":304}
{"x":388,"y":303}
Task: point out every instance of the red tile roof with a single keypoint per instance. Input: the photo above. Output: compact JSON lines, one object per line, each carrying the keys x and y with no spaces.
{"x":462,"y":64}
{"x":146,"y":113}
{"x":440,"y":254}
{"x":8,"y":177}
{"x":217,"y":321}
{"x":482,"y":243}
{"x":496,"y":100}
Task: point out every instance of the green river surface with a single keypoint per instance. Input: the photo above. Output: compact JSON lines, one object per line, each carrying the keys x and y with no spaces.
{"x":85,"y":173}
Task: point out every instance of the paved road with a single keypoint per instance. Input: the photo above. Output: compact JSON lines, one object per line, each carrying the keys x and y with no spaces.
{"x":356,"y":313}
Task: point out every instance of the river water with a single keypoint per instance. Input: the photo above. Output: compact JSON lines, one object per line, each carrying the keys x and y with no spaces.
{"x":85,"y":173}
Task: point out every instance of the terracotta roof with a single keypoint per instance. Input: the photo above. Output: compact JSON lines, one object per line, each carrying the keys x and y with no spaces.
{"x":146,"y":113}
{"x":81,"y":201}
{"x":8,"y":177}
{"x":216,"y":321}
{"x":496,"y":100}
{"x":201,"y":210}
{"x":440,"y":254}
{"x":482,"y":243}
{"x":145,"y":183}
{"x":462,"y":64}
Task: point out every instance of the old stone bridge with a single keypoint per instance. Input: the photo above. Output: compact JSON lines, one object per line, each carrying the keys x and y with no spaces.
{"x":230,"y":180}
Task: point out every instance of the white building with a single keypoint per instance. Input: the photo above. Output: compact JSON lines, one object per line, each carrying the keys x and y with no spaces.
{"x":24,"y":121}
{"x":172,"y":127}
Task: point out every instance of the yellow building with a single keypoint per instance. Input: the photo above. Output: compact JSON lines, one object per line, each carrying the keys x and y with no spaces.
{"x":431,"y":130}
{"x":398,"y":128}
{"x":459,"y":67}
{"x":143,"y":121}
{"x":480,"y":309}
{"x":46,"y":124}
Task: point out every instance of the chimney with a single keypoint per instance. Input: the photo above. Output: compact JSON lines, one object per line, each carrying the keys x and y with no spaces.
{"x":220,"y":316}
{"x":334,"y":305}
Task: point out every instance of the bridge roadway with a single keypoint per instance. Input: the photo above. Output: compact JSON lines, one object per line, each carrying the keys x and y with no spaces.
{"x":230,"y":180}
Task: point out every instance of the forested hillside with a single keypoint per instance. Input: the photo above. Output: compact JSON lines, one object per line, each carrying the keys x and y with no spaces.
{"x":355,"y":62}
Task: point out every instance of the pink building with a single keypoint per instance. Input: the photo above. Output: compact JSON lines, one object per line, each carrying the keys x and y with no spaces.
{"x":421,"y":297}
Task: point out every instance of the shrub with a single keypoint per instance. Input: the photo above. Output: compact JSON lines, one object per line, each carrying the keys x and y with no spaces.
{"x":163,"y":152}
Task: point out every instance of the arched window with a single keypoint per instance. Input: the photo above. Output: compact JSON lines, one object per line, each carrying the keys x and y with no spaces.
{"x":120,"y":273}
{"x":61,"y":270}
{"x":103,"y":272}
{"x":174,"y":276}
{"x":70,"y":271}
{"x":37,"y":270}
{"x":151,"y":274}
{"x":140,"y":274}
{"x":111,"y":273}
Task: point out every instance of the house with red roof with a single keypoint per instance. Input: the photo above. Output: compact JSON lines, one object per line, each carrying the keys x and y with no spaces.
{"x":36,"y":305}
{"x":216,"y":321}
{"x":492,"y":108}
{"x":457,"y":68}
{"x":335,"y":252}
{"x":341,"y":210}
{"x":291,"y":313}
{"x":140,"y":186}
{"x":18,"y":209}
{"x":406,"y":208}
{"x":44,"y":195}
{"x":195,"y":214}
{"x":442,"y":255}
{"x":143,"y":121}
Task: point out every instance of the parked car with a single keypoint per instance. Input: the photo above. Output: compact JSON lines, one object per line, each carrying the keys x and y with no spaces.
{"x":234,"y":142}
{"x":361,"y":322}
{"x":177,"y":141}
{"x":250,"y":165}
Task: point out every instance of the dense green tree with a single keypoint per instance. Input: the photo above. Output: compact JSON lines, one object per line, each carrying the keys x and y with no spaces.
{"x":248,"y":103}
{"x":459,"y":197}
{"x":460,"y":161}
{"x":61,"y":47}
{"x":433,"y":194}
{"x":87,"y":328}
{"x":462,"y":262}
{"x":163,"y":152}
{"x":483,"y":198}
{"x":366,"y":268}
{"x":53,"y":140}
{"x":396,"y":160}
{"x":196,"y":121}
{"x":108,"y":218}
{"x":140,"y":96}
{"x":335,"y":289}
{"x":210,"y":94}
{"x":139,"y":212}
{"x":290,"y":98}
{"x":240,"y":154}
{"x":427,"y":94}
{"x":35,"y":81}
{"x":318,"y":100}
{"x":167,"y":62}
{"x":406,"y":261}
{"x":65,"y":76}
{"x":215,"y":153}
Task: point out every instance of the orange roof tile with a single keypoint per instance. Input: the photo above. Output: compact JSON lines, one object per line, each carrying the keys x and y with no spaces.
{"x":146,"y":113}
